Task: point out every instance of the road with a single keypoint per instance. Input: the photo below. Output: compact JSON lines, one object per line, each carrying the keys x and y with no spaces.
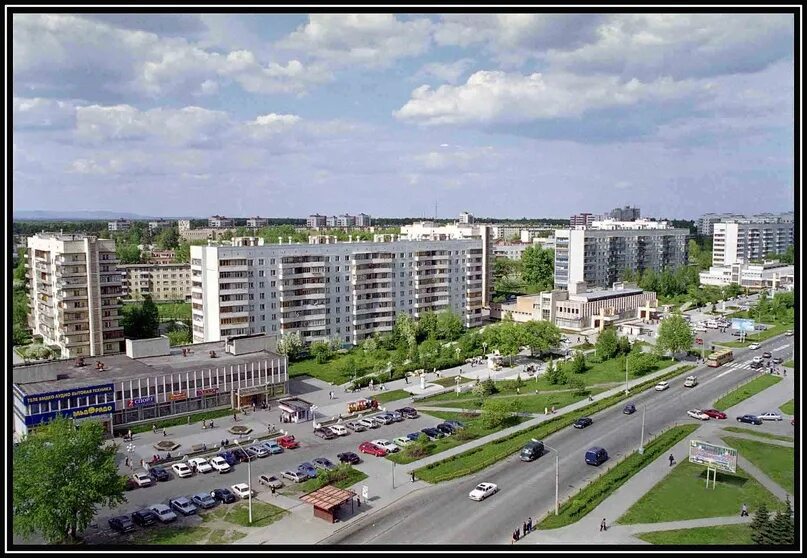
{"x":528,"y":489}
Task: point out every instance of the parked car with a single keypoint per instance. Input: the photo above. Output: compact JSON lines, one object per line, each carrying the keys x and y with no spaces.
{"x":294,"y":476}
{"x":228,"y":456}
{"x":714,"y":413}
{"x":596,"y":456}
{"x":446,"y":429}
{"x":130,"y":484}
{"x":777,"y":360}
{"x":183,"y":505}
{"x":339,"y":430}
{"x":661,"y":386}
{"x":121,"y":523}
{"x":182,"y":470}
{"x":397,"y":416}
{"x":757,"y":360}
{"x":766,"y":354}
{"x":432,"y":433}
{"x":408,"y":412}
{"x":629,"y":409}
{"x":737,"y":333}
{"x":348,"y":457}
{"x":241,"y":490}
{"x":455,"y":424}
{"x":308,"y":469}
{"x":159,"y":474}
{"x":201,"y":463}
{"x":698,"y":414}
{"x":387,"y":445}
{"x":372,"y":449}
{"x":402,"y":441}
{"x":482,"y":491}
{"x":384,"y":418}
{"x":251,"y":454}
{"x":749,"y":419}
{"x":367,"y":422}
{"x":789,"y":333}
{"x":272,"y":446}
{"x":224,"y":495}
{"x":754,"y":346}
{"x":770,"y":415}
{"x":324,"y":463}
{"x":288,"y":442}
{"x":142,"y":479}
{"x":270,"y":481}
{"x":260,"y":450}
{"x":163,"y":513}
{"x":144,"y":517}
{"x":760,"y":327}
{"x":203,"y":500}
{"x":582,"y":422}
{"x":698,"y":327}
{"x":356,"y":426}
{"x":325,"y":433}
{"x":220,"y":464}
{"x":414,"y":435}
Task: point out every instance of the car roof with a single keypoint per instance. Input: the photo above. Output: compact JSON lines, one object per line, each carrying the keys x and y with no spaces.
{"x":595,"y":448}
{"x":160,"y":507}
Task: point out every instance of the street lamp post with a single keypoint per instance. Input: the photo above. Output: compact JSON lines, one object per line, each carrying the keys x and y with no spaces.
{"x":641,"y":443}
{"x":130,"y":450}
{"x":626,"y":375}
{"x":249,"y":481}
{"x":557,"y":476}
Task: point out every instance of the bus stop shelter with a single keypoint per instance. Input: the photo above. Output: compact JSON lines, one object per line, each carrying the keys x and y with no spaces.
{"x":327,"y":501}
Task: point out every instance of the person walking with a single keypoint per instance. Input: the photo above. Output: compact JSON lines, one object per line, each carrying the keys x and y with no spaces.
{"x":672,"y":460}
{"x":744,"y":511}
{"x":413,"y":476}
{"x":514,"y":538}
{"x":529,"y":524}
{"x":164,"y":433}
{"x":204,"y":424}
{"x":154,"y":428}
{"x":235,"y":416}
{"x":524,"y":528}
{"x":603,"y":525}
{"x":518,"y":533}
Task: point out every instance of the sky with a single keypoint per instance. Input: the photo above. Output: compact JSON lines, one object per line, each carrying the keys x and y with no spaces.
{"x":403,"y":115}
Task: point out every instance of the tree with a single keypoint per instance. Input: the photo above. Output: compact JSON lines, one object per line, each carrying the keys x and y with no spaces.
{"x":640,"y":363}
{"x":508,"y":339}
{"x":140,"y":321}
{"x":538,"y":267}
{"x":427,"y":326}
{"x":607,"y":344}
{"x":61,"y":474}
{"x":761,"y":526}
{"x":291,"y":344}
{"x":128,"y":253}
{"x":498,"y":411}
{"x":429,"y":350}
{"x":555,"y":375}
{"x":540,"y":336}
{"x":578,"y":363}
{"x":167,"y":238}
{"x":782,"y":526}
{"x":449,"y":326}
{"x":405,"y":332}
{"x":731,"y":290}
{"x":623,"y":345}
{"x":321,"y":351}
{"x":182,"y":253}
{"x":179,"y":336}
{"x":578,"y":385}
{"x":674,"y":335}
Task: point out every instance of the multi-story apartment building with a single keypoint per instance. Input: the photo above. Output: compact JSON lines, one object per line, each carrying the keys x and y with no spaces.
{"x":747,"y":241}
{"x":75,"y":294}
{"x":257,"y":222}
{"x":183,"y":225}
{"x":345,"y":221}
{"x":159,"y":224}
{"x":430,"y":230}
{"x":160,"y":256}
{"x":190,"y":235}
{"x":510,"y":250}
{"x":706,"y":224}
{"x":160,"y":281}
{"x":626,"y":213}
{"x":582,"y":220}
{"x":119,"y":225}
{"x":363,"y":220}
{"x":506,"y":232}
{"x":332,"y":221}
{"x":466,"y":218}
{"x":343,"y":290}
{"x":598,"y":254}
{"x":219,"y":222}
{"x":316,"y":221}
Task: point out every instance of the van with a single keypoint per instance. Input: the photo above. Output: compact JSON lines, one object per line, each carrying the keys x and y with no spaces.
{"x":691,"y":381}
{"x":532,"y":451}
{"x":711,"y":324}
{"x":595,"y":456}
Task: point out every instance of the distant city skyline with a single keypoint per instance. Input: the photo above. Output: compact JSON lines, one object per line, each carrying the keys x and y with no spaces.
{"x":403,"y":115}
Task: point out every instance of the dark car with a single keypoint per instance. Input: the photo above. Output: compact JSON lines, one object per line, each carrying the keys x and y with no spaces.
{"x":629,"y":409}
{"x":750,"y":419}
{"x":455,"y":424}
{"x":204,"y":500}
{"x":224,"y":495}
{"x":408,"y":412}
{"x":144,"y":518}
{"x":777,"y":360}
{"x":445,"y":428}
{"x":325,"y":433}
{"x":759,"y":327}
{"x":414,"y":436}
{"x":159,"y":474}
{"x":121,"y":523}
{"x":183,"y":505}
{"x":766,"y":354}
{"x":596,"y":456}
{"x":243,"y":455}
{"x":348,"y":457}
{"x":307,"y":469}
{"x":229,"y":457}
{"x":582,"y":422}
{"x":755,"y":365}
{"x":737,"y":333}
{"x":532,"y":451}
{"x":324,"y":463}
{"x":432,"y":433}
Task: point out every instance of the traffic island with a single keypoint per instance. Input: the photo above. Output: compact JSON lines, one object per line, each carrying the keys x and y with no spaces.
{"x":239,"y":430}
{"x":166,"y":445}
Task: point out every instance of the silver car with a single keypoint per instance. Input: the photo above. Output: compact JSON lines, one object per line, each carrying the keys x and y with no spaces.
{"x":163,"y":513}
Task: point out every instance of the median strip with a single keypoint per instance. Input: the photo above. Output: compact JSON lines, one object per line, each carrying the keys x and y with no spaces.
{"x":758,"y":384}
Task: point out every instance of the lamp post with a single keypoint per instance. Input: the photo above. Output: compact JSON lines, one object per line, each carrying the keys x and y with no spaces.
{"x":557,"y":476}
{"x":130,"y":450}
{"x":626,"y":375}
{"x":249,"y":480}
{"x":641,"y":443}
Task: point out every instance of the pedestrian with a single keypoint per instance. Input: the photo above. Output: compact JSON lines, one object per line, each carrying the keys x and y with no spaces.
{"x":142,"y":463}
{"x":672,"y":460}
{"x":126,"y":462}
{"x":154,"y":428}
{"x":406,"y":378}
{"x":129,"y":434}
{"x":529,"y":524}
{"x":518,"y":533}
{"x":514,"y":538}
{"x":553,"y":409}
{"x":358,"y":501}
{"x":524,"y":527}
{"x":164,"y":433}
{"x":518,"y":391}
{"x":603,"y":525}
{"x":273,"y":491}
{"x":744,"y":511}
{"x":546,"y":410}
{"x":204,"y":424}
{"x":413,"y":476}
{"x":235,"y":416}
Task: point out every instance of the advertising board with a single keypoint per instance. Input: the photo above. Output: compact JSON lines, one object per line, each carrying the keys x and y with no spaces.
{"x":716,"y":457}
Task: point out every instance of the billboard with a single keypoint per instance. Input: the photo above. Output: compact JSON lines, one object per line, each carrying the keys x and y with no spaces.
{"x":68,"y":393}
{"x":742,"y":324}
{"x":717,"y":457}
{"x":77,"y":413}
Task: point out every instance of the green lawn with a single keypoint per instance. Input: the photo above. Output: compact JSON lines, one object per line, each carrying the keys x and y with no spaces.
{"x":718,"y":534}
{"x":758,"y":433}
{"x":349,"y":478}
{"x":327,"y":372}
{"x":263,"y":514}
{"x":788,"y":408}
{"x":174,"y":310}
{"x":789,"y":363}
{"x":750,"y":389}
{"x":778,"y":462}
{"x":772,"y":331}
{"x":529,"y":403}
{"x":451,"y":382}
{"x":394,"y":395}
{"x":683,"y":495}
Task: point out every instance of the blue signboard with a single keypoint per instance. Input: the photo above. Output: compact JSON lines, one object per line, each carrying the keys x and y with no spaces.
{"x":77,"y":413}
{"x":68,"y":393}
{"x":140,"y":401}
{"x":742,"y":324}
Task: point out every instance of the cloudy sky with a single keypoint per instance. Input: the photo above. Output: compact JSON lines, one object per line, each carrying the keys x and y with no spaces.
{"x":393,"y":115}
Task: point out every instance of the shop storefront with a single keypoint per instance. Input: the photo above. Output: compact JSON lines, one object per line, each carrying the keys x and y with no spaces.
{"x":293,"y":409}
{"x":258,"y":396}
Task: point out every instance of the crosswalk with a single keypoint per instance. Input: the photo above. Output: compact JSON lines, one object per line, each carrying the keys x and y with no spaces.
{"x":780,"y":347}
{"x":741,"y":365}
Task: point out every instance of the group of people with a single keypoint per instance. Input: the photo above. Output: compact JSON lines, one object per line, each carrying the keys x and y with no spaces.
{"x":525,"y":528}
{"x":205,"y":424}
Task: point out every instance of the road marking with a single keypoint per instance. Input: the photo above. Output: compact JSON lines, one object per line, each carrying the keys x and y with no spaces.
{"x":723,"y":374}
{"x":781,"y":347}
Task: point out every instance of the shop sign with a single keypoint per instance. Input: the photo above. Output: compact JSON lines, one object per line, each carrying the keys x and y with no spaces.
{"x":177,"y":396}
{"x":68,"y":393}
{"x":242,"y":392}
{"x":78,"y":413}
{"x":207,"y":391}
{"x":140,"y":401}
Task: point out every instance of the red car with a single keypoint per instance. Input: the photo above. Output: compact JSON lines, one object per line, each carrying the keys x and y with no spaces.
{"x":714,"y":413}
{"x":372,"y":449}
{"x":288,"y":442}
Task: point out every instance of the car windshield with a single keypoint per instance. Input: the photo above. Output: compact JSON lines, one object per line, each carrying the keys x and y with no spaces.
{"x":481,"y":487}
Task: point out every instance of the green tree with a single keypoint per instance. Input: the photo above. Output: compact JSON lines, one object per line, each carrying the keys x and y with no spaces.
{"x":555,"y":374}
{"x":498,"y":411}
{"x":291,"y":345}
{"x":607,"y":344}
{"x":732,"y":290}
{"x":183,"y":252}
{"x":578,"y":385}
{"x":429,"y":351}
{"x":179,"y":336}
{"x":788,"y":257}
{"x":640,"y":363}
{"x":167,"y":238}
{"x":540,"y":336}
{"x":782,"y":526}
{"x":405,"y":332}
{"x":538,"y":267}
{"x":62,"y":474}
{"x":321,"y":351}
{"x":623,"y":345}
{"x":427,"y":326}
{"x":128,"y":253}
{"x":508,"y":339}
{"x":674,"y":335}
{"x":578,"y":364}
{"x":761,"y":526}
{"x":140,"y":321}
{"x":449,"y":326}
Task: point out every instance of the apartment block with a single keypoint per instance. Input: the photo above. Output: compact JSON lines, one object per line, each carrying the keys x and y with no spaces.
{"x":345,"y":221}
{"x":75,"y":294}
{"x":582,"y":220}
{"x":363,"y":220}
{"x":159,"y":224}
{"x":119,"y":225}
{"x":189,"y":235}
{"x":316,"y":221}
{"x":466,"y":218}
{"x":219,"y":222}
{"x":706,"y":223}
{"x":329,"y":289}
{"x":626,"y":213}
{"x":162,"y":282}
{"x":510,"y":250}
{"x":183,"y":225}
{"x":332,"y":221}
{"x":257,"y":222}
{"x":160,"y":256}
{"x":599,"y":253}
{"x":747,"y":241}
{"x":768,"y":275}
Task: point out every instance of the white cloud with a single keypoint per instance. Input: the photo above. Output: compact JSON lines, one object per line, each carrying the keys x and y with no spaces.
{"x":501,"y":98}
{"x":447,"y":72}
{"x":43,"y":113}
{"x":373,"y":40}
{"x":293,"y":77}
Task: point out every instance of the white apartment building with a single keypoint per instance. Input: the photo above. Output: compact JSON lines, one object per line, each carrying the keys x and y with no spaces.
{"x":159,"y":224}
{"x":530,"y":234}
{"x":162,"y":282}
{"x":75,"y":290}
{"x":190,"y":235}
{"x":598,"y":254}
{"x":257,"y":222}
{"x":746,"y":241}
{"x":119,"y":225}
{"x":423,"y":230}
{"x":332,"y":221}
{"x":769,"y":275}
{"x":363,"y":220}
{"x":219,"y":222}
{"x":506,"y":232}
{"x":345,"y":220}
{"x":183,"y":225}
{"x":316,"y":221}
{"x":343,"y":290}
{"x":466,"y":218}
{"x":509,"y":250}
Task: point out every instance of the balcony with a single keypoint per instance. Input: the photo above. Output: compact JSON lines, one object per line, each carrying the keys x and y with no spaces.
{"x":298,"y":294}
{"x":235,"y":291}
{"x":307,"y":305}
{"x":373,"y":318}
{"x":422,"y":257}
{"x":289,"y":326}
{"x":310,"y":274}
{"x":235,"y":314}
{"x":386,"y":262}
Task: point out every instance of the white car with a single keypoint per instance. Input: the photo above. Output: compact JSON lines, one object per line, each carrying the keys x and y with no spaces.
{"x":691,"y":381}
{"x":241,"y":489}
{"x":758,"y":359}
{"x":754,"y":346}
{"x":661,"y":386}
{"x":770,"y":415}
{"x":402,"y":441}
{"x":482,"y":491}
{"x":368,"y":423}
{"x":387,"y":445}
{"x":698,"y":414}
{"x":294,"y":476}
{"x":163,"y":513}
{"x":142,"y":479}
{"x":789,"y":333}
{"x":339,"y":430}
{"x":699,"y":327}
{"x":220,"y":464}
{"x":202,"y":465}
{"x":182,"y":470}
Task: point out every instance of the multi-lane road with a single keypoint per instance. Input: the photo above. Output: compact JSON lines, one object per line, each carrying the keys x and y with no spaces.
{"x":444,"y":513}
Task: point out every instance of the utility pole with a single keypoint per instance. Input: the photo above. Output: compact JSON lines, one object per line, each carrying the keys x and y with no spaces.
{"x":557,"y":477}
{"x":626,"y":375}
{"x":641,"y":443}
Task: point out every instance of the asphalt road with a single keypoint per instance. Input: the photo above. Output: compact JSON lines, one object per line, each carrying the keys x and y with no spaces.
{"x":528,"y":489}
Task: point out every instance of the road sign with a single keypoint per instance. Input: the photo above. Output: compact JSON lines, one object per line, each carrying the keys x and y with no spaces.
{"x":716,"y":457}
{"x":742,"y":324}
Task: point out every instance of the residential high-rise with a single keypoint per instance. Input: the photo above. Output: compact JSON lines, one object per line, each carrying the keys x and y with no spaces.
{"x":581,"y":220}
{"x":363,"y":220}
{"x":159,"y":224}
{"x":466,"y":218}
{"x":183,"y":225}
{"x":598,"y":254}
{"x":626,"y":213}
{"x":332,"y":221}
{"x":316,"y":221}
{"x":75,"y":294}
{"x":345,"y":221}
{"x":706,"y":223}
{"x":119,"y":225}
{"x":343,"y":290}
{"x":749,"y":241}
{"x":162,"y":282}
{"x":219,"y":222}
{"x":257,"y":222}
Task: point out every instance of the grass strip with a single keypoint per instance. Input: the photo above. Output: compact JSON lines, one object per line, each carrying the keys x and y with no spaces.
{"x":716,"y":534}
{"x":758,"y":433}
{"x":178,"y":421}
{"x":577,"y":506}
{"x":343,"y":476}
{"x":772,"y":331}
{"x":778,"y":462}
{"x":394,"y":395}
{"x":789,"y":363}
{"x":484,"y":456}
{"x":758,"y":384}
{"x":788,"y":408}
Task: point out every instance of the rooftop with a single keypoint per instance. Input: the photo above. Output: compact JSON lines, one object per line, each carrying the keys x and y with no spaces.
{"x":589,"y":296}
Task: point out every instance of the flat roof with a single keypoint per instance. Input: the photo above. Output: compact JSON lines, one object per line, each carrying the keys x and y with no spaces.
{"x":588,"y":296}
{"x":328,"y":497}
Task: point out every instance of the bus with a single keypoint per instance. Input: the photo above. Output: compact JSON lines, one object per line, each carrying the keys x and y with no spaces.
{"x":718,"y":358}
